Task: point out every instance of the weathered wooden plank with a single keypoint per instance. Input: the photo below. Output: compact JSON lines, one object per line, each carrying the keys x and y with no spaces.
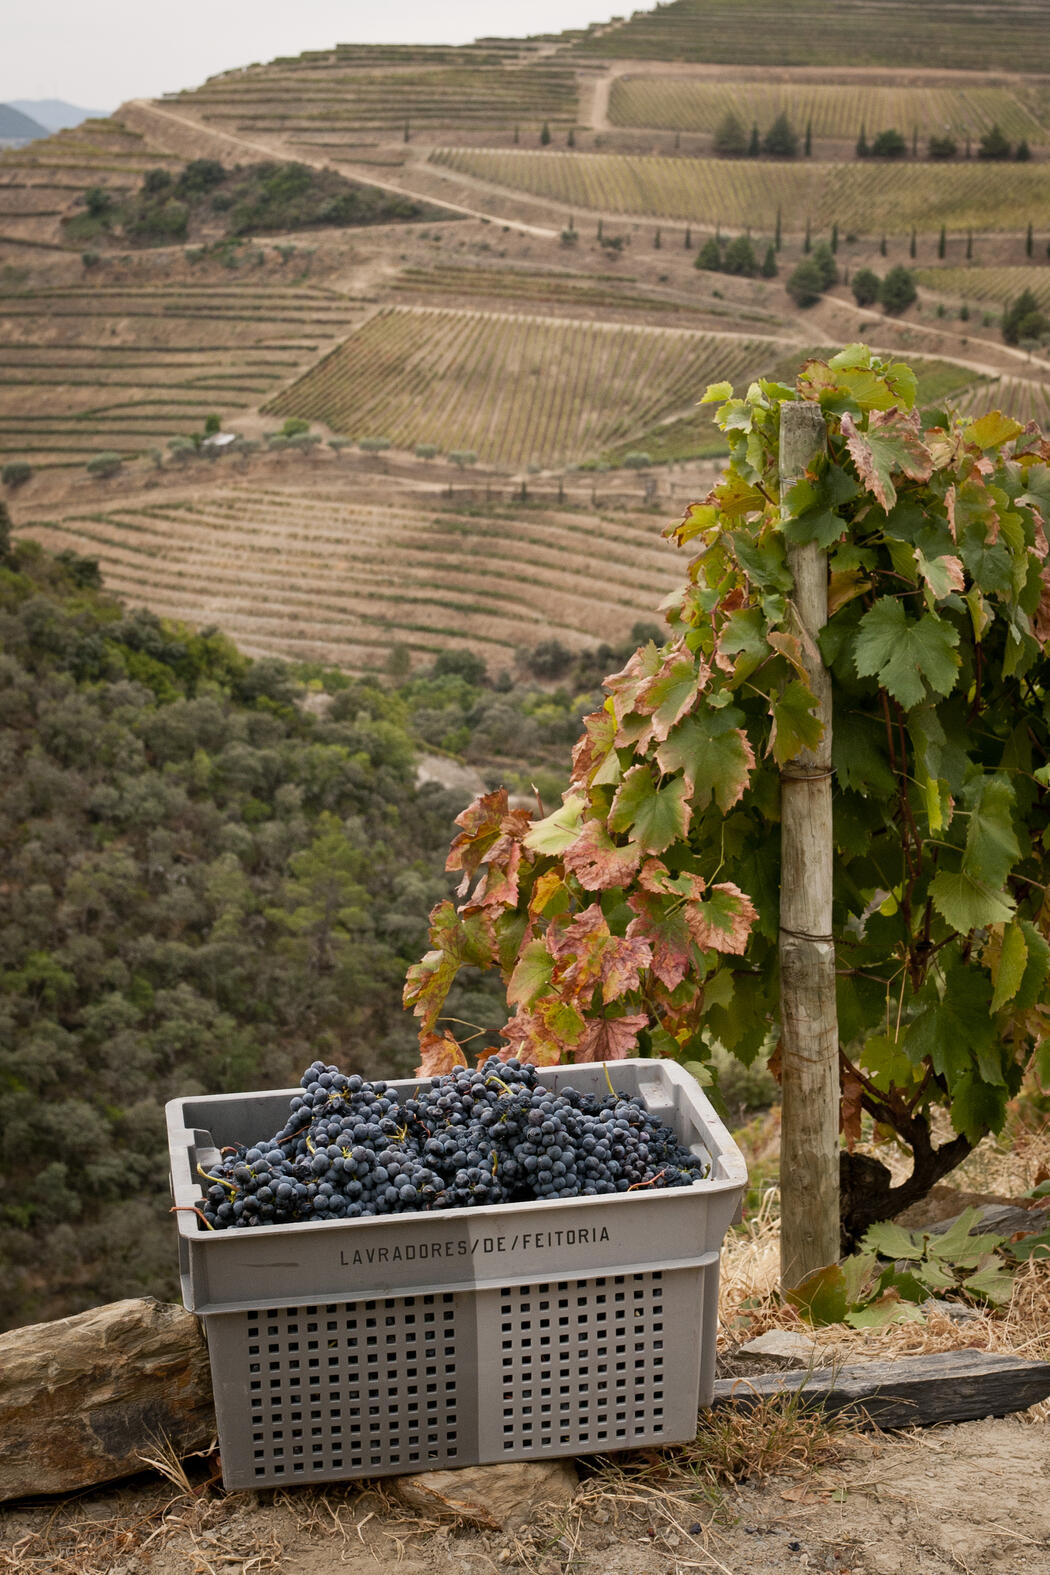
{"x":84,"y":1398}
{"x":914,"y":1391}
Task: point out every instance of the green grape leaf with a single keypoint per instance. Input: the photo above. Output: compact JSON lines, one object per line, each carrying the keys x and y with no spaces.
{"x":716,"y":393}
{"x":943,"y":575}
{"x":794,"y":726}
{"x":977,"y":1108}
{"x":714,"y":756}
{"x":654,"y":816}
{"x":890,"y":444}
{"x":559,"y":830}
{"x":988,"y":563}
{"x":992,"y":1284}
{"x":1037,"y":964}
{"x":992,"y":430}
{"x":954,"y":1026}
{"x":814,"y":507}
{"x":821,"y":1297}
{"x":968,"y":904}
{"x":906,"y":654}
{"x":1013,"y":960}
{"x":892,"y":1241}
{"x":991,"y":843}
{"x":532,"y":974}
{"x":889,"y":1308}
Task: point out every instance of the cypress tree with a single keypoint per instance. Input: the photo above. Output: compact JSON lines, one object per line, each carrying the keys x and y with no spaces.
{"x":969,"y":245}
{"x":806,"y":240}
{"x":942,"y":242}
{"x":862,"y":143}
{"x":776,"y":233}
{"x":754,"y":147}
{"x":882,"y":246}
{"x":912,"y":249}
{"x":545,"y":135}
{"x":808,"y":146}
{"x":688,"y":239}
{"x":915,"y":142}
{"x":407,"y":132}
{"x":570,"y":140}
{"x":834,"y":238}
{"x":1029,"y":241}
{"x":656,"y":241}
{"x":517,"y":134}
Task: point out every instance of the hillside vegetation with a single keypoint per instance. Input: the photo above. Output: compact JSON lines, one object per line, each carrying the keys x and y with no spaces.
{"x":206,"y":885}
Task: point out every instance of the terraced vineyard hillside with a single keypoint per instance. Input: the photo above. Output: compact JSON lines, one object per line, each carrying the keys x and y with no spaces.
{"x":124,"y":368}
{"x":950,"y":34}
{"x":317,"y":578}
{"x":870,"y":196}
{"x":990,"y":284}
{"x":515,"y":390}
{"x":333,"y":102}
{"x":830,"y":109}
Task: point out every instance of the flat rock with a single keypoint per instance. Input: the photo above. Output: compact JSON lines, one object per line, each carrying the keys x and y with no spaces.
{"x":782,"y":1345}
{"x":83,"y":1399}
{"x":495,"y":1497}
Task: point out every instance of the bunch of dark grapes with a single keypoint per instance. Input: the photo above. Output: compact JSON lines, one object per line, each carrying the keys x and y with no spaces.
{"x":351,"y":1149}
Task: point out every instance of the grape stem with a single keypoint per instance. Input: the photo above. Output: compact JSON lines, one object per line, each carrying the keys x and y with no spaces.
{"x":651,"y":1182}
{"x":188,"y":1208}
{"x":218,"y":1179}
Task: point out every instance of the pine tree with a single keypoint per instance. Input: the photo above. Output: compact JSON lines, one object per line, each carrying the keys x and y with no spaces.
{"x":942,"y":242}
{"x":769,"y":263}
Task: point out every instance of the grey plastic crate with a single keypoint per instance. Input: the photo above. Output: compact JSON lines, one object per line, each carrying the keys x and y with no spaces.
{"x":346,"y":1348}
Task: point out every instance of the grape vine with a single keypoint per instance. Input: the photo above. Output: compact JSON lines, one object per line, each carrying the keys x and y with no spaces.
{"x":641,"y":916}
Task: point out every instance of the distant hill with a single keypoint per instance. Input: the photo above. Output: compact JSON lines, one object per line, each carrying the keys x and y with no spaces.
{"x":54,"y":114}
{"x":17,"y":127}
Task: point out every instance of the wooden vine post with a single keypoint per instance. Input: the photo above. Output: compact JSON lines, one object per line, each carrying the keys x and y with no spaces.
{"x":809,"y":1155}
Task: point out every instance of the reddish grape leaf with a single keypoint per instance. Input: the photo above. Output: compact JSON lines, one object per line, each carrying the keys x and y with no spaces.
{"x":439,"y":1054}
{"x":850,"y":1114}
{"x":891,"y":444}
{"x":722,"y":921}
{"x":611,"y":1038}
{"x":481,"y":823}
{"x":529,"y":1039}
{"x":455,"y":940}
{"x":594,"y":748}
{"x":597,"y":862}
{"x":623,"y":958}
{"x":673,"y":691}
{"x":662,"y":924}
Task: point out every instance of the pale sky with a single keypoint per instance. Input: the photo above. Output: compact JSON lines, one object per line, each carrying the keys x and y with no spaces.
{"x":97,"y":53}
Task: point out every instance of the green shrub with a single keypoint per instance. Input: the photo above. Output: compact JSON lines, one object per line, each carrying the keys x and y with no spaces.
{"x":294,"y":426}
{"x":898,"y":290}
{"x":426,"y":451}
{"x":944,"y":147}
{"x":462,"y":457}
{"x":104,"y":465}
{"x":1024,"y":319}
{"x":337,"y":444}
{"x":889,"y":145}
{"x":740,"y":257}
{"x":374,"y":445}
{"x":865,"y":285}
{"x":730,"y":139}
{"x":16,"y":472}
{"x":805,"y":284}
{"x":824,"y":258}
{"x":780,"y":141}
{"x":994,"y":145}
{"x":709,"y":256}
{"x":637,"y":459}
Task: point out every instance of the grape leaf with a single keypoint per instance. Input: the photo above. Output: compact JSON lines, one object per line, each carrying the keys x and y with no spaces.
{"x":991,"y":843}
{"x":1031,"y":986}
{"x":722,"y":920}
{"x":560,"y":829}
{"x":890,"y":444}
{"x":991,"y":1284}
{"x":532,"y":974}
{"x":977,"y":1108}
{"x":943,"y":575}
{"x":1013,"y":960}
{"x":992,"y":430}
{"x":814,"y":507}
{"x":713,"y":755}
{"x":439,"y":1054}
{"x":892,"y":1241}
{"x":662,"y":924}
{"x":821,"y":1297}
{"x":597,"y":862}
{"x":968,"y":904}
{"x":906,"y":654}
{"x":671,"y":692}
{"x":795,"y":728}
{"x":953,"y":1027}
{"x":611,"y":1038}
{"x":654,"y":816}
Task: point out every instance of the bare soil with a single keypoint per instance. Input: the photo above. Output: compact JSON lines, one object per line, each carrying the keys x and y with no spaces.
{"x":972,"y":1499}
